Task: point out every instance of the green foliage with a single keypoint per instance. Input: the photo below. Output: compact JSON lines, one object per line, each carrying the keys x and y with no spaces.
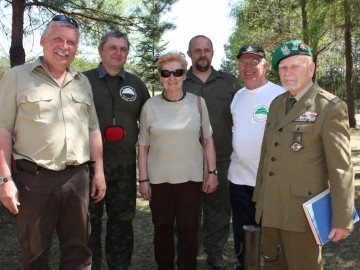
{"x":4,"y":66}
{"x":83,"y":63}
{"x":320,"y":23}
{"x":149,"y":43}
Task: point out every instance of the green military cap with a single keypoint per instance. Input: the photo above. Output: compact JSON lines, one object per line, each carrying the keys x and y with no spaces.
{"x":288,"y":49}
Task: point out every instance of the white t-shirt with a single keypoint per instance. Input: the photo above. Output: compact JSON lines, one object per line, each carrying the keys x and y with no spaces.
{"x":249,"y":110}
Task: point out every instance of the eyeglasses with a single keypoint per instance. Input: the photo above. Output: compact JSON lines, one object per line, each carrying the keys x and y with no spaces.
{"x":63,"y":18}
{"x":251,"y":63}
{"x":167,"y":73}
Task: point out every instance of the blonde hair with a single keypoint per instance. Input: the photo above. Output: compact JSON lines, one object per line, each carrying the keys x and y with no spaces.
{"x":173,"y":56}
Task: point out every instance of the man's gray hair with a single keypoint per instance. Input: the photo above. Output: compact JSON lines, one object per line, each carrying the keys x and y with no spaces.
{"x":115,"y":34}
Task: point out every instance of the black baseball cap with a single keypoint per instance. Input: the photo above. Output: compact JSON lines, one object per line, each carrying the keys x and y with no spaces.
{"x":251,"y":49}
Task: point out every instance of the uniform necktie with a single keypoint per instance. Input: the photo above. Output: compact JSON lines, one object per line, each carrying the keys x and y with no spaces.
{"x":290,"y":103}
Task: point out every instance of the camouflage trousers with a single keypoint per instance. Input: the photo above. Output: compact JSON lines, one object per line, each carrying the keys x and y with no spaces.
{"x":120,"y":205}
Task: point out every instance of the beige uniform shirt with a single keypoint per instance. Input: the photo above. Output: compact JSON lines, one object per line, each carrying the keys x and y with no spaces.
{"x":50,"y":124}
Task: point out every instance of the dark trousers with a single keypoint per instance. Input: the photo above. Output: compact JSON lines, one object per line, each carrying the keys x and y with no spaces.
{"x":180,"y":202}
{"x":243,"y":213}
{"x":120,"y":204}
{"x":216,"y":214}
{"x":54,"y":201}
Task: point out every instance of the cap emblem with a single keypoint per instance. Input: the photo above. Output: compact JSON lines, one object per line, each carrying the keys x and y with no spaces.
{"x":285,"y":50}
{"x":302,"y":46}
{"x":250,"y":49}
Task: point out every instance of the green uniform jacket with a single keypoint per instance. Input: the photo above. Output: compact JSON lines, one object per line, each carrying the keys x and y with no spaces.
{"x":287,"y":178}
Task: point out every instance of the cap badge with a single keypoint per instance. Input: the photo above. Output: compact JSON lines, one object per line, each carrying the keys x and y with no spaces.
{"x":249,"y":49}
{"x":308,"y":102}
{"x":285,"y":50}
{"x":303,"y":46}
{"x":294,"y":46}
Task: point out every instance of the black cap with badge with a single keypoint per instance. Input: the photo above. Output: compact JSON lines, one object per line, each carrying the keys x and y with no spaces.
{"x":251,"y":49}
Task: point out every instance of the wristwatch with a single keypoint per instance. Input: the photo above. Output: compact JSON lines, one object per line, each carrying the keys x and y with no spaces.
{"x":216,"y":172}
{"x":3,"y":180}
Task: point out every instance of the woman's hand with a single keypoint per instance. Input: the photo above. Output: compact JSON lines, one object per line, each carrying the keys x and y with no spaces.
{"x":145,"y":190}
{"x":210,"y":184}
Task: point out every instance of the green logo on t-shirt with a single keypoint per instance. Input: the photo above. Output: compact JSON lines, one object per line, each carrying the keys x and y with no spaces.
{"x":260,"y":114}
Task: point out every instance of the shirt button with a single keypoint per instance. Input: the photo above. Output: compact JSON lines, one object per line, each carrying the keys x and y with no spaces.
{"x":271,"y":173}
{"x":273,"y":159}
{"x":276,"y":143}
{"x":281,"y":129}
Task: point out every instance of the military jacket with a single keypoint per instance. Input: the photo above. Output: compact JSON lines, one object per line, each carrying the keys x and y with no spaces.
{"x":304,"y":152}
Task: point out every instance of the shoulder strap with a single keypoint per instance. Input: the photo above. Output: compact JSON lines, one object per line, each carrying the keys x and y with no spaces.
{"x":200,"y":111}
{"x":199,"y":105}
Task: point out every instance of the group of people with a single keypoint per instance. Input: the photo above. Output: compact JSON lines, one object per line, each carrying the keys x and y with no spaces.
{"x":208,"y":151}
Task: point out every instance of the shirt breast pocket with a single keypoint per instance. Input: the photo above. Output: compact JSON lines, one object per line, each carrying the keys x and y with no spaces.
{"x":82,"y":104}
{"x":34,"y":105}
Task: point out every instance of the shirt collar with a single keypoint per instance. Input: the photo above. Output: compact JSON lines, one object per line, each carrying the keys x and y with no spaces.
{"x":214,"y":74}
{"x":102,"y":72}
{"x":39,"y":63}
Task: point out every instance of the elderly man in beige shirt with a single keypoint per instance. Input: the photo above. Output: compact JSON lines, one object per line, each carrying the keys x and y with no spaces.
{"x":49,"y":124}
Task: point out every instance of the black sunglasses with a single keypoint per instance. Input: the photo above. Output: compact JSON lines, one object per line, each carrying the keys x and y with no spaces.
{"x":167,"y":73}
{"x":63,"y":18}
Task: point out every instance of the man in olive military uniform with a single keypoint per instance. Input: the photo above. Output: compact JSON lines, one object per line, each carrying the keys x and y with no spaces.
{"x":118,"y":97}
{"x":218,"y":89}
{"x":305,"y":150}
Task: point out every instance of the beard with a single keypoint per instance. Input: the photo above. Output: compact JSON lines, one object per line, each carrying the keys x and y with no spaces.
{"x":291,"y":84}
{"x":202,"y":67}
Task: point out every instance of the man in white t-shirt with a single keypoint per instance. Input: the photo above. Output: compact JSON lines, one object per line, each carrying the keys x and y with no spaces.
{"x":249,"y":110}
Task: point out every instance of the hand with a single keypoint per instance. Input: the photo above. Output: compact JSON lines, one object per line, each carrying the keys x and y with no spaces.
{"x":9,"y":196}
{"x":98,"y":187}
{"x":210,"y":184}
{"x":337,"y":234}
{"x":145,"y":190}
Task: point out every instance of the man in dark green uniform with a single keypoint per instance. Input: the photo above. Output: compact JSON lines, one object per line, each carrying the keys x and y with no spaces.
{"x":305,"y":150}
{"x":119,"y":97}
{"x":218,"y":89}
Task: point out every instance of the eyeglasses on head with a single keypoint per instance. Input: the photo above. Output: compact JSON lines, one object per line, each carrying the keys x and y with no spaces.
{"x":64,"y":18}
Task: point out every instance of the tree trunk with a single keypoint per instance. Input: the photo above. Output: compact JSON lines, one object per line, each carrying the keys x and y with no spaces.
{"x":349,"y":65}
{"x":304,"y":21}
{"x":17,"y":52}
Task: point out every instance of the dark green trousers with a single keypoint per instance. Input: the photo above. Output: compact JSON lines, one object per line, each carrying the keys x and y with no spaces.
{"x":120,"y":205}
{"x":216,"y":214}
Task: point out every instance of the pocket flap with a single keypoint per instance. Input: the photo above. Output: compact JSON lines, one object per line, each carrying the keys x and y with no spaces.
{"x":303,"y":189}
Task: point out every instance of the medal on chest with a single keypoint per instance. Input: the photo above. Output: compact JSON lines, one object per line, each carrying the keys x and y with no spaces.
{"x":297,"y":142}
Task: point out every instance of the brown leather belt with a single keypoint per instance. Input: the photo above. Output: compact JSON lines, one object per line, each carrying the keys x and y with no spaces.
{"x":32,"y":167}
